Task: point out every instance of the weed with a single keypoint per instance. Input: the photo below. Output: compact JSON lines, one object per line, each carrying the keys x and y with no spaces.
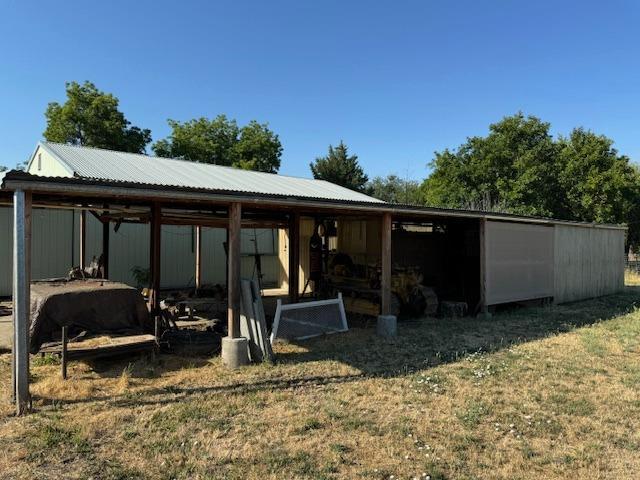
{"x":48,"y":359}
{"x":474,"y":412}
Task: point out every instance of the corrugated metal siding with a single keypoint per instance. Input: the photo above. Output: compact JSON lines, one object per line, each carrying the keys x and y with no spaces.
{"x":95,"y":163}
{"x":50,"y":246}
{"x":589,"y":262}
{"x":6,"y":250}
{"x":55,"y":250}
{"x":519,"y":262}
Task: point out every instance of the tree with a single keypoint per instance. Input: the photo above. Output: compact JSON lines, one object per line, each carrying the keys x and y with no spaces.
{"x":91,"y":117}
{"x":258,"y":148}
{"x":221,"y":142}
{"x":520,"y":168}
{"x":340,"y":168}
{"x":598,"y":182}
{"x":514,"y":168}
{"x":394,"y":189}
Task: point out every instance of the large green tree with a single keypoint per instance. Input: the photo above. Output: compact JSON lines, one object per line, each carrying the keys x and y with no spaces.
{"x":597,"y":183}
{"x":340,"y":168}
{"x":258,"y":148}
{"x":513,"y":168}
{"x":220,"y":141}
{"x":394,"y":189}
{"x":91,"y":117}
{"x":519,"y":168}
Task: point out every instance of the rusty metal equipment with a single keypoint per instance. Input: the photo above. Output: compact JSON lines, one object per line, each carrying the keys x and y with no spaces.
{"x":360,"y":285}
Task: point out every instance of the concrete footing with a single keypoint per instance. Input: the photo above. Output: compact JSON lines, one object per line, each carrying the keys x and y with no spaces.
{"x":235,"y":352}
{"x":387,"y":326}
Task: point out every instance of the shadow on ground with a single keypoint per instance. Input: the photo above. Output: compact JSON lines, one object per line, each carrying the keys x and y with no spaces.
{"x":420,"y":344}
{"x":431,"y":341}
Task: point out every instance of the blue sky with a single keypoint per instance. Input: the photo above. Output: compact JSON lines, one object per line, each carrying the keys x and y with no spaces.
{"x":395,"y":80}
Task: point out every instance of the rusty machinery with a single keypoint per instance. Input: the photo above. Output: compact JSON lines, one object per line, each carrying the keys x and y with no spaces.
{"x":360,"y":285}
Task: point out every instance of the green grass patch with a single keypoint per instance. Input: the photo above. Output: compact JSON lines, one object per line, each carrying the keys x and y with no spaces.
{"x":48,"y":359}
{"x":473,"y":414}
{"x":51,"y":437}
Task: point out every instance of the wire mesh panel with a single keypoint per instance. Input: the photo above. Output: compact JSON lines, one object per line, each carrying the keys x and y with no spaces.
{"x":297,"y":321}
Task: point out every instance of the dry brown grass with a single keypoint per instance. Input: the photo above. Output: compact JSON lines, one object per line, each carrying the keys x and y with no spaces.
{"x":541,"y":393}
{"x":631,"y":278}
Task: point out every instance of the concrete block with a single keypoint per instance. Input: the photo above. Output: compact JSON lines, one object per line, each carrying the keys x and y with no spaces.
{"x":387,"y":326}
{"x":235,"y":352}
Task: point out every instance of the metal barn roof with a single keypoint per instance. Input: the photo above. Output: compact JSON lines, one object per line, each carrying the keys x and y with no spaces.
{"x":99,"y":164}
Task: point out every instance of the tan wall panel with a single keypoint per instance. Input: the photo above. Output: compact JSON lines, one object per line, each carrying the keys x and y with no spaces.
{"x":360,"y":239}
{"x":519,"y":262}
{"x":589,"y":262}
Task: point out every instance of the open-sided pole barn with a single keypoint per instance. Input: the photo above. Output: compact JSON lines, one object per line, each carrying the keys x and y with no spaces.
{"x":479,"y":258}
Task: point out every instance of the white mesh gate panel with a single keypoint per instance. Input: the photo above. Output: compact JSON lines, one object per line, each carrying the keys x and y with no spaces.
{"x":309,"y":319}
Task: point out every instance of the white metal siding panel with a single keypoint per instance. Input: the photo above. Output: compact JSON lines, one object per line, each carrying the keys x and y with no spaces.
{"x":6,"y":250}
{"x":128,"y":248}
{"x":519,"y":262}
{"x":214,"y":259}
{"x":56,"y":236}
{"x":589,"y":262}
{"x":48,"y":165}
{"x":50,"y":245}
{"x":178,"y":256}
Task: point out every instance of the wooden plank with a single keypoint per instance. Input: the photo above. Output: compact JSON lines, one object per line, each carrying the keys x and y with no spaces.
{"x":198,"y":252}
{"x":21,"y":298}
{"x":154,"y":260}
{"x":102,"y":347}
{"x":294,"y":257}
{"x":233,"y":283}
{"x":385,"y":277}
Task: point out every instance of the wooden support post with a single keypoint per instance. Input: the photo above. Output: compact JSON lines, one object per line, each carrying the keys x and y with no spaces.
{"x":83,"y":239}
{"x":233,"y":282}
{"x":105,"y":246}
{"x":294,"y":257}
{"x":65,"y":339}
{"x":385,"y":276}
{"x":198,"y":273}
{"x":21,"y":298}
{"x":154,"y":260}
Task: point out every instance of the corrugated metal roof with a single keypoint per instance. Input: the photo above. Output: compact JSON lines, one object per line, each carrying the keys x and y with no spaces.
{"x":100,"y":164}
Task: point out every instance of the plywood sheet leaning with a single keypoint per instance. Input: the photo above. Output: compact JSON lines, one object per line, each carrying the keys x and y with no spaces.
{"x":253,"y":326}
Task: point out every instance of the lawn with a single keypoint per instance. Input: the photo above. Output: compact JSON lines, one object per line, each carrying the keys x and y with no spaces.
{"x":543,"y":393}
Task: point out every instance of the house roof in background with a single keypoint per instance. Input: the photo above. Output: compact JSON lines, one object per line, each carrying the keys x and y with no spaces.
{"x":131,"y":168}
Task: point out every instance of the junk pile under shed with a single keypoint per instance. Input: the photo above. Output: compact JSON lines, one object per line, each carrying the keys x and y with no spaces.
{"x":85,"y":307}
